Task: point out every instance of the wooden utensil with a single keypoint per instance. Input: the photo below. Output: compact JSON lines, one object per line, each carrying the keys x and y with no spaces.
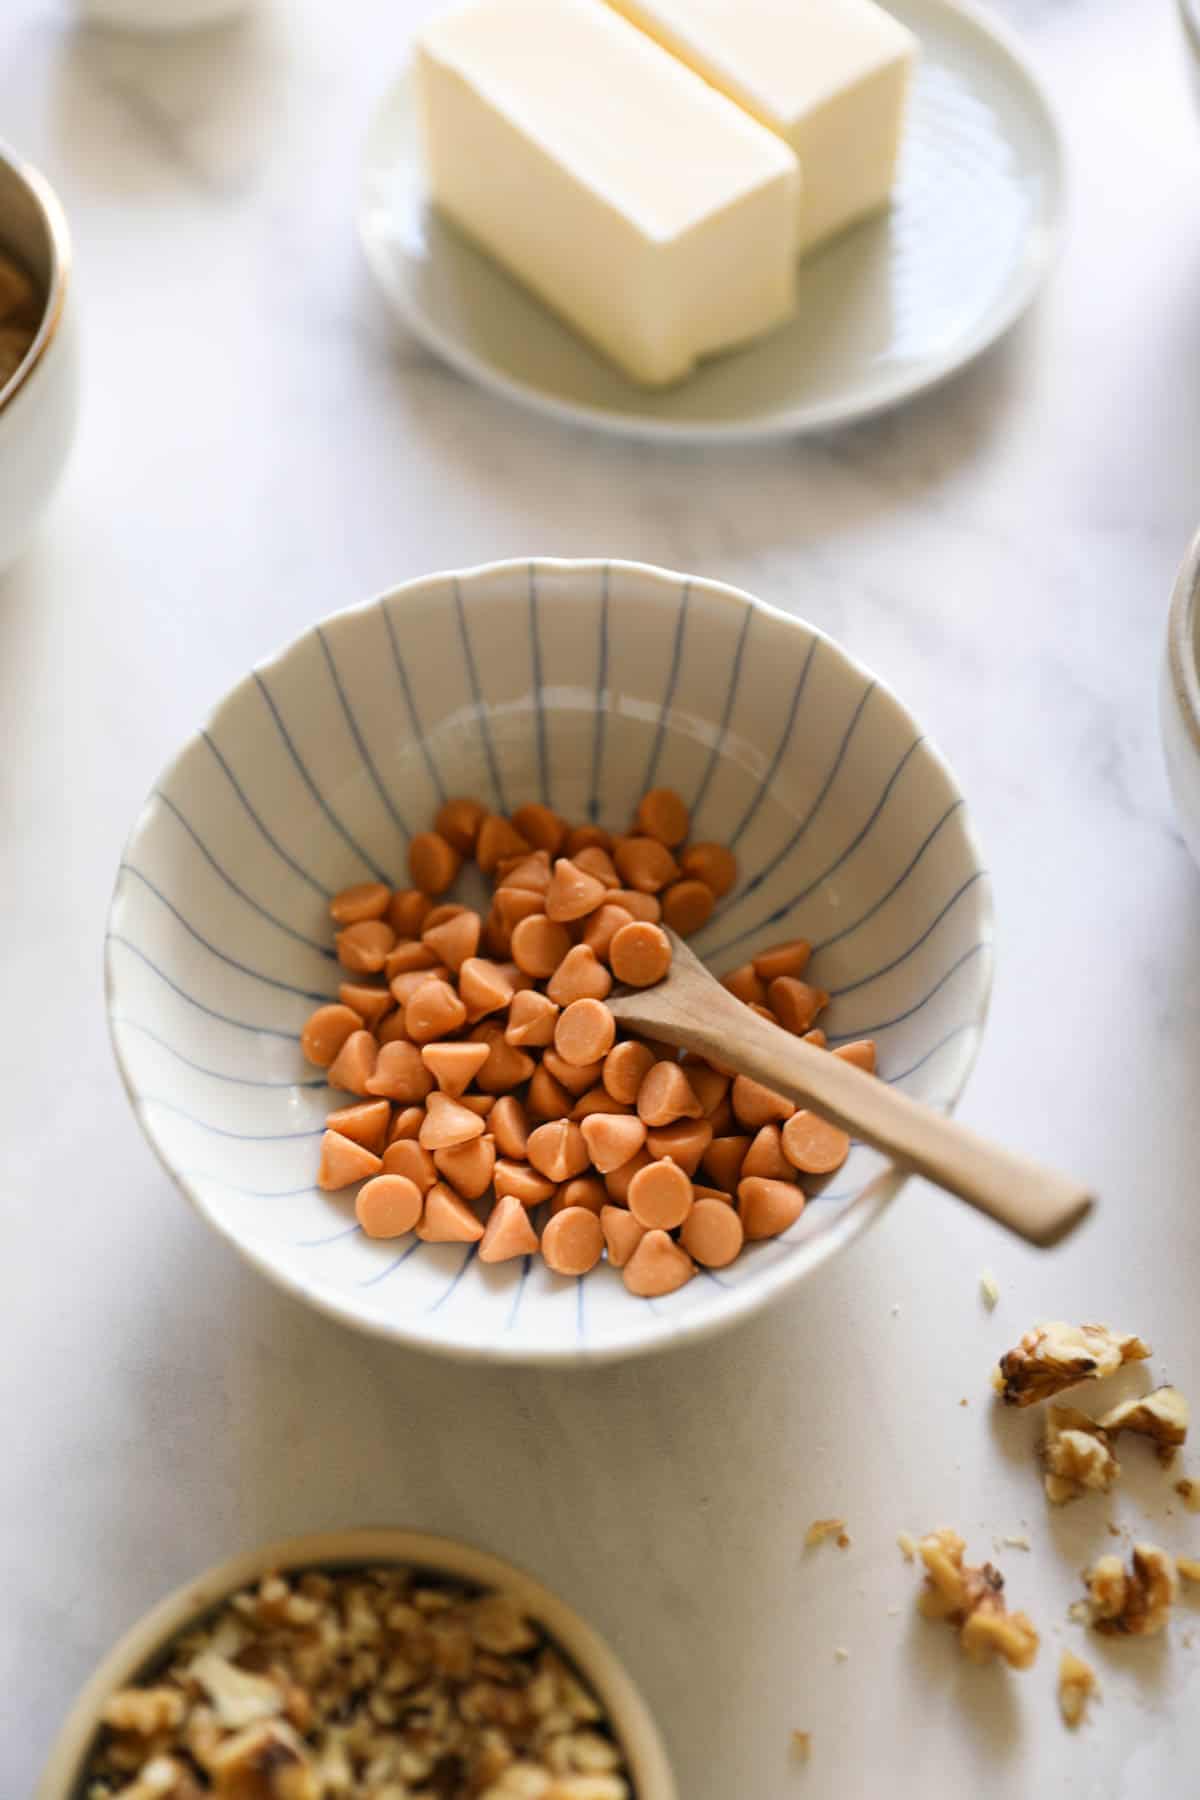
{"x":691,"y":1008}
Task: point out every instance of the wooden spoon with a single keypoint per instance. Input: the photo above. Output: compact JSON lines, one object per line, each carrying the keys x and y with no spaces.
{"x":691,"y":1008}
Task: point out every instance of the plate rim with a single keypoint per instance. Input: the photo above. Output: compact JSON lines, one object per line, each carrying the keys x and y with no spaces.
{"x":751,"y":1297}
{"x":1042,"y":246}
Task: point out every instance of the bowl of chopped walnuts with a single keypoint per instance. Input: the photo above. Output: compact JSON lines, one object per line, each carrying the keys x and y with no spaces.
{"x":365,"y":931}
{"x":39,"y":375}
{"x":378,"y":1661}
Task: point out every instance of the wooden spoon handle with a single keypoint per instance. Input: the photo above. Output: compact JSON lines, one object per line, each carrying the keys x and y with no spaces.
{"x":1038,"y":1203}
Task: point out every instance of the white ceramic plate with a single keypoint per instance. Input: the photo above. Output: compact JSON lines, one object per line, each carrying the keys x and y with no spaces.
{"x":580,"y":684}
{"x":888,"y":309}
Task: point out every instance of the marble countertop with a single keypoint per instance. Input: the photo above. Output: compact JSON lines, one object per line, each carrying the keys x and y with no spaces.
{"x":258,"y":448}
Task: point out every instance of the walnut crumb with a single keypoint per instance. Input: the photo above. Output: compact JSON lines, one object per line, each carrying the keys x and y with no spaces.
{"x":1077,"y":1455}
{"x":908,"y":1545}
{"x":820,"y":1529}
{"x":1188,"y":1567}
{"x":1014,"y":1541}
{"x":1161,"y":1415}
{"x":802,"y":1744}
{"x":1136,"y":1602}
{"x":841,"y":1655}
{"x":1076,"y":1684}
{"x":1113,"y":1530}
{"x":843,"y":1540}
{"x":1189,"y":1493}
{"x":972,"y":1600}
{"x":1055,"y":1356}
{"x":989,"y":1287}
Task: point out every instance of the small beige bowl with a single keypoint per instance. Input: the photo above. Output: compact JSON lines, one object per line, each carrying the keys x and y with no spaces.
{"x":39,"y":403}
{"x":144,"y":1642}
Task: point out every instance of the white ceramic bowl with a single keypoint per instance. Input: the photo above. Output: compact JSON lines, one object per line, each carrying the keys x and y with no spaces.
{"x":580,"y":683}
{"x":145,"y":1641}
{"x":1179,"y":698}
{"x":38,"y":405}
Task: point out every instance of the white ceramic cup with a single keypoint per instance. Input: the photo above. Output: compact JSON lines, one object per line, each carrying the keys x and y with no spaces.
{"x":39,"y":404}
{"x":632,"y":1723}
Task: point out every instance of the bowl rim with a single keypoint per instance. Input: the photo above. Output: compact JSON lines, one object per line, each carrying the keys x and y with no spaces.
{"x":54,"y":304}
{"x":864,"y":1210}
{"x":631,"y":1717}
{"x":1181,"y":639}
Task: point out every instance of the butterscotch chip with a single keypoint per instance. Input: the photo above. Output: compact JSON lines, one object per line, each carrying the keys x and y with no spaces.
{"x":344,"y":1162}
{"x":662,"y":814}
{"x":326,"y":1032}
{"x":540,"y":826}
{"x":508,"y":1232}
{"x":573,"y":892}
{"x":399,"y":1073}
{"x":369,"y":900}
{"x":712,"y":864}
{"x":497,"y":840}
{"x":687,"y":906}
{"x":458,"y":821}
{"x":622,"y":1234}
{"x":573,"y":1241}
{"x":666,"y":1095}
{"x":468,"y":1167}
{"x":447,"y":1219}
{"x":685,"y":1142}
{"x":354,"y":1065}
{"x":367,"y":1123}
{"x":658,"y":1266}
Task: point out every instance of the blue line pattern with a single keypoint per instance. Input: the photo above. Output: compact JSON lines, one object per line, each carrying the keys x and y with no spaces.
{"x":232,"y":885}
{"x":539,"y":698}
{"x":360,"y":742}
{"x":764,"y":786}
{"x":481,"y":711}
{"x":318,"y":886}
{"x":380,"y":874}
{"x":286,"y":987}
{"x":723,"y":729}
{"x":665,"y":704}
{"x":410,"y":702}
{"x":602,"y":700}
{"x":115,"y":937}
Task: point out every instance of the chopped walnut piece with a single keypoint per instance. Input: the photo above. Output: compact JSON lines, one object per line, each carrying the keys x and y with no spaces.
{"x":973,"y":1600}
{"x":1189,"y":1493}
{"x":908,"y":1545}
{"x":802,"y":1744}
{"x":376,"y":1683}
{"x":1055,"y":1356}
{"x":1076,"y":1454}
{"x":145,"y":1711}
{"x":989,"y":1287}
{"x":1135,"y":1603}
{"x":1188,"y":1567}
{"x":1076,"y":1684}
{"x":264,"y":1762}
{"x":1161,"y":1415}
{"x":821,"y":1529}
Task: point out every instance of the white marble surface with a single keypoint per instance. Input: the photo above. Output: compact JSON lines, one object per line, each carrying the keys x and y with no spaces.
{"x":256,"y":450}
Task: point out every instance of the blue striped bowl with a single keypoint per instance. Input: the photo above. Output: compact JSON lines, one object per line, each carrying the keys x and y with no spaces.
{"x":581,"y":684}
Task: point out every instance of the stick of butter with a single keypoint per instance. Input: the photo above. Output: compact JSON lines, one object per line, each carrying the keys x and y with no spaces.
{"x":658,"y":218}
{"x":829,"y":76}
